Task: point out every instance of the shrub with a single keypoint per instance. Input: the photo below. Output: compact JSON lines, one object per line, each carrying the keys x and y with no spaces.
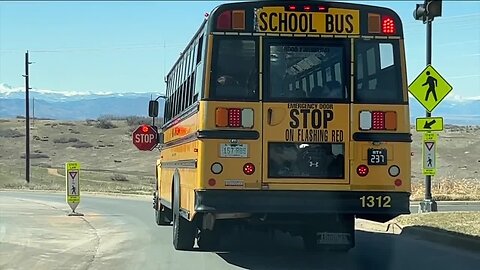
{"x":82,"y":144}
{"x":138,"y":120}
{"x":105,"y":124}
{"x":11,"y":133}
{"x":111,"y":117}
{"x":36,"y":155}
{"x":65,"y":140}
{"x":118,"y":177}
{"x":66,"y":124}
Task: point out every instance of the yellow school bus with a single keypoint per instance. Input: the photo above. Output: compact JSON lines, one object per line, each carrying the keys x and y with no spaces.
{"x":285,"y":115}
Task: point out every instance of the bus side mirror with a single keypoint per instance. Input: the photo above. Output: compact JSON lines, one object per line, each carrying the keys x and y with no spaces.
{"x":153,"y":108}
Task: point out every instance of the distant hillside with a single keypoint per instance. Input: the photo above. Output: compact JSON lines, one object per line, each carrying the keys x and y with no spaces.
{"x":78,"y":110}
{"x":79,"y":106}
{"x":71,"y":105}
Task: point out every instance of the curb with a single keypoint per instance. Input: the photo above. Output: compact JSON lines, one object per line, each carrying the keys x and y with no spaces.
{"x":434,"y":235}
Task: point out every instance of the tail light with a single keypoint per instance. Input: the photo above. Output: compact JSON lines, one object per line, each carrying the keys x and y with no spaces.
{"x":362,"y":170}
{"x":231,"y":20}
{"x":378,"y":120}
{"x":234,"y":117}
{"x":248,"y":168}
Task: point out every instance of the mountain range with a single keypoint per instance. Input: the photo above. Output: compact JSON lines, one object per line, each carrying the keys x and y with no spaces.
{"x":91,"y":105}
{"x":72,"y":105}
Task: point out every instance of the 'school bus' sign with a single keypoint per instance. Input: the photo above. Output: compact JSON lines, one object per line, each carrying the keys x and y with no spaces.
{"x":327,"y":21}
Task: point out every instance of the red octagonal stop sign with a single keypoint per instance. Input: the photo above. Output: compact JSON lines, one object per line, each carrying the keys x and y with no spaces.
{"x":145,"y":138}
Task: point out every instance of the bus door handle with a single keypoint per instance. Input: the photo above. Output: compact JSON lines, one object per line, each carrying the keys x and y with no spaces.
{"x":269,"y":116}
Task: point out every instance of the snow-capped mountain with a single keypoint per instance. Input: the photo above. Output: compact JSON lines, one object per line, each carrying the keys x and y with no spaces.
{"x":72,"y":105}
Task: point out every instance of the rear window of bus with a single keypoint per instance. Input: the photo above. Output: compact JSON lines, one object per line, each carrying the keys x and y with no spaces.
{"x":378,"y":72}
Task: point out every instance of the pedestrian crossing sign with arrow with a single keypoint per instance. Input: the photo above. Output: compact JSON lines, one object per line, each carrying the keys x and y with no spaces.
{"x":429,"y":159}
{"x":426,"y":124}
{"x":429,"y":88}
{"x":72,"y":184}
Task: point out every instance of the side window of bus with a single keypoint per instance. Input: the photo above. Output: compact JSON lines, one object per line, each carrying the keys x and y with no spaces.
{"x":234,"y":69}
{"x":378,"y":72}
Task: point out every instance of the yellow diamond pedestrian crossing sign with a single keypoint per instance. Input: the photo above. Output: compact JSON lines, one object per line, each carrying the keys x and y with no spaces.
{"x":429,"y":88}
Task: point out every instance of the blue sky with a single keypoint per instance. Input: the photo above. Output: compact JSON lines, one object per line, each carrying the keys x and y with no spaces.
{"x":129,"y":46}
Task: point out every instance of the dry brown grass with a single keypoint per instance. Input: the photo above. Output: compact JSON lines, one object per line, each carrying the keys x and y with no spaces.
{"x":463,"y":222}
{"x":449,"y":189}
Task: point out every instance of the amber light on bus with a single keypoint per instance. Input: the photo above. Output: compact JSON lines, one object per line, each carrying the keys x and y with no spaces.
{"x":231,"y":20}
{"x":378,"y":120}
{"x":234,"y":117}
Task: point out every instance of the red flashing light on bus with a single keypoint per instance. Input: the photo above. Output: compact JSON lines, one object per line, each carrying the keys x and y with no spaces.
{"x":224,"y":21}
{"x":388,"y":25}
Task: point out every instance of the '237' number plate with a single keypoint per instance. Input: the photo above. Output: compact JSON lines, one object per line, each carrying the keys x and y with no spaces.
{"x":377,"y":156}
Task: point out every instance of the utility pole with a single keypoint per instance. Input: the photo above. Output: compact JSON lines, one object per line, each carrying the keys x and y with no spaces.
{"x":27,"y":120}
{"x":33,"y":112}
{"x":427,"y":12}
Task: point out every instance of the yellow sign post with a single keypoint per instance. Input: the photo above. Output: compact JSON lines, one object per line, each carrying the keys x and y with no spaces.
{"x":428,"y":153}
{"x":427,"y":124}
{"x":430,"y":88}
{"x":72,"y":184}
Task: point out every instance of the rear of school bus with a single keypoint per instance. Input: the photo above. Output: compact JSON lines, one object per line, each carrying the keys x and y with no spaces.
{"x":304,"y":121}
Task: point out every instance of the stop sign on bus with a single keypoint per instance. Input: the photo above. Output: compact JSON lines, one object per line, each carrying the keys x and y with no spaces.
{"x":145,"y":138}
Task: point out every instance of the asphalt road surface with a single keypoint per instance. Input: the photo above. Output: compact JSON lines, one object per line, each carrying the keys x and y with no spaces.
{"x":120,"y":233}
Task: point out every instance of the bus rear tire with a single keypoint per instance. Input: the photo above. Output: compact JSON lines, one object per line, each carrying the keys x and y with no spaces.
{"x":184,"y":231}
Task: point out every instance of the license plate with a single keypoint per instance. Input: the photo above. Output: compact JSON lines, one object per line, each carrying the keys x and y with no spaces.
{"x":234,"y":150}
{"x":377,"y":156}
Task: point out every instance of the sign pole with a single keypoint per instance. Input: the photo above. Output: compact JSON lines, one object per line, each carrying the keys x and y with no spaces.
{"x":428,"y":204}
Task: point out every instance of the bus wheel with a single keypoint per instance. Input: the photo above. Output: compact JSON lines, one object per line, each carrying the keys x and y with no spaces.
{"x":208,"y":240}
{"x":184,"y":231}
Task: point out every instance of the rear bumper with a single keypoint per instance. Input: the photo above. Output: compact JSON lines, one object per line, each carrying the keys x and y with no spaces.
{"x":302,"y":202}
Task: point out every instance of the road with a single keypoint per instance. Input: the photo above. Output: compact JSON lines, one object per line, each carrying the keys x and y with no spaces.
{"x":119,"y":233}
